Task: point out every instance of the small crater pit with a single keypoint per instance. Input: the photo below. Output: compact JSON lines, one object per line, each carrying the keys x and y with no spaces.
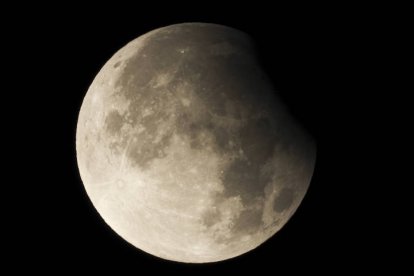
{"x":116,"y":65}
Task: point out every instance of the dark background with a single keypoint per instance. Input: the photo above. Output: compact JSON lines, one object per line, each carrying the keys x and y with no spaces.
{"x":320,"y":63}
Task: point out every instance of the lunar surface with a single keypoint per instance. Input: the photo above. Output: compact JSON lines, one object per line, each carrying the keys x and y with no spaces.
{"x":184,"y":148}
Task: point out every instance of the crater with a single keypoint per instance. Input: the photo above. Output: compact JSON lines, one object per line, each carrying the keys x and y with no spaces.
{"x":284,"y":200}
{"x":248,"y":222}
{"x":211,"y":217}
{"x":114,"y":122}
{"x":116,"y":65}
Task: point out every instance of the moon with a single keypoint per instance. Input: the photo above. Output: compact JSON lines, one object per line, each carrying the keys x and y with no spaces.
{"x":185,"y":149}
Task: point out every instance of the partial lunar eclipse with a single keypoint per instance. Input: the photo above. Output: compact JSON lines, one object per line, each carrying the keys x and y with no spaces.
{"x":184,"y":148}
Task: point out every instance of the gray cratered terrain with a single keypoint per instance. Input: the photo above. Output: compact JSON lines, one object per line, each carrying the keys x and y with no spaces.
{"x":185,"y":149}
